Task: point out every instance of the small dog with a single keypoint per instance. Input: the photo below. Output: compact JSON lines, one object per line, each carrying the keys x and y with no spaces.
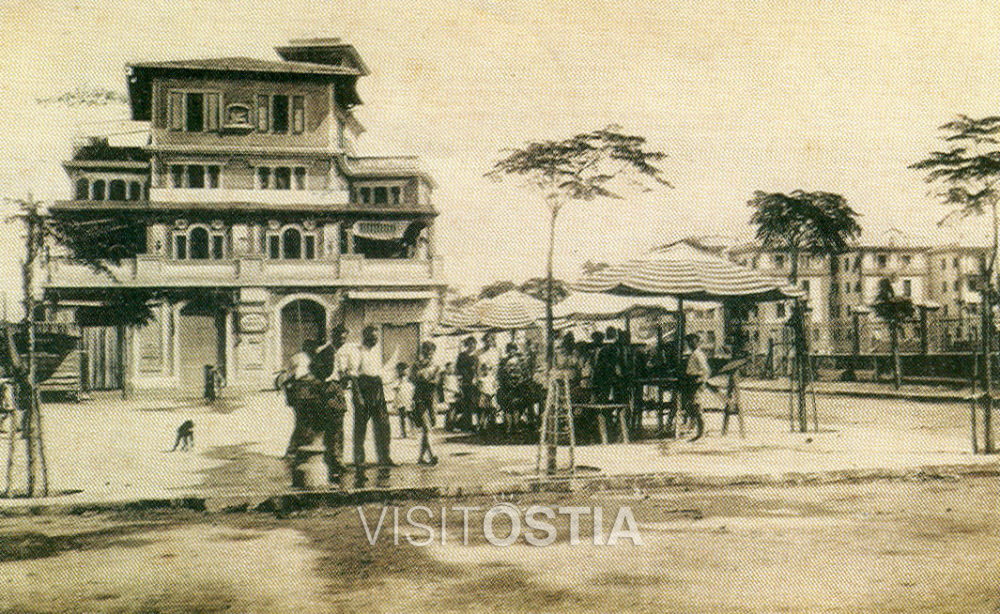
{"x":185,"y":436}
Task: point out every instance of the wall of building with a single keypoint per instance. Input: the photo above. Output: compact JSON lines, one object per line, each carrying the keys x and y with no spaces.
{"x":318,"y":102}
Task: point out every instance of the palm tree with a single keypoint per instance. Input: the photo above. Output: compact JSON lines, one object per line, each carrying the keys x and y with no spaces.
{"x":819,"y":223}
{"x":893,"y":310}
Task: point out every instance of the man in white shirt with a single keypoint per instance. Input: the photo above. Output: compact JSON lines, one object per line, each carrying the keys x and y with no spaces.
{"x":698,"y":372}
{"x":370,"y":401}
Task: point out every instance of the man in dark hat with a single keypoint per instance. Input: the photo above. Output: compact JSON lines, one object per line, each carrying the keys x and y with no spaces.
{"x":328,"y":415}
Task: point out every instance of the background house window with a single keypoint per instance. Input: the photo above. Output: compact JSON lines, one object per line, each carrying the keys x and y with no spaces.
{"x":274,"y":247}
{"x":135,"y":191}
{"x":779,"y":262}
{"x":195,"y":179}
{"x":282,"y":178}
{"x":217,"y":247}
{"x":213,"y":176}
{"x":300,"y":178}
{"x":263,"y":177}
{"x":177,"y":176}
{"x":98,"y":190}
{"x":309,"y":244}
{"x":298,"y":114}
{"x":279,"y":114}
{"x":116,"y":190}
{"x":194,"y":116}
{"x":907,"y":287}
{"x":365,"y":195}
{"x":291,"y":244}
{"x":381,"y":196}
{"x":180,"y":247}
{"x":199,"y":244}
{"x":82,"y":189}
{"x":906,"y":260}
{"x":779,"y":310}
{"x":882,"y":260}
{"x":262,"y":113}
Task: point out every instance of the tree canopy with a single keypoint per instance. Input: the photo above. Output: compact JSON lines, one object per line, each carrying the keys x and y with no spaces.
{"x":804,"y":222}
{"x":969,"y":171}
{"x":587,"y":166}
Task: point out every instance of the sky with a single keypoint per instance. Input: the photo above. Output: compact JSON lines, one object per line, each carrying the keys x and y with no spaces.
{"x":742,"y":96}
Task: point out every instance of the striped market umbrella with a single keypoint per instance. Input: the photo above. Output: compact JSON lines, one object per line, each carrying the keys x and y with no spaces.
{"x":685,"y":272}
{"x":508,"y":311}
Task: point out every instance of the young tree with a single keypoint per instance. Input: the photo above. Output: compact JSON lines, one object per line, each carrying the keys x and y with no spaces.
{"x":819,"y":223}
{"x":894,"y":311}
{"x":94,"y":243}
{"x":969,"y":171}
{"x":537,"y":287}
{"x":578,"y":169}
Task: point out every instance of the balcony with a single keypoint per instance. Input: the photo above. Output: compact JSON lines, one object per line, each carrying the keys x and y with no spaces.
{"x":151,"y":271}
{"x":278,"y":198}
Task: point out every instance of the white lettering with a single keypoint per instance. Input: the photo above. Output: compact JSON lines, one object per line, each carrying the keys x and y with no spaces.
{"x":419,"y":525}
{"x":574,"y":513}
{"x":378,"y":528}
{"x":465,"y":521}
{"x":625,"y":517}
{"x":515,"y":525}
{"x":598,"y":526}
{"x":539,"y":525}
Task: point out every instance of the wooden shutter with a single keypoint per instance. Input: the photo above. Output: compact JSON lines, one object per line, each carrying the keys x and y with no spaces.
{"x":176,"y":110}
{"x":298,"y":114}
{"x":212,"y":111}
{"x":262,"y":114}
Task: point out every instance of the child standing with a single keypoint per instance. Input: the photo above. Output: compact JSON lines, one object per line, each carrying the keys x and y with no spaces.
{"x":425,"y":376}
{"x":403,"y":402}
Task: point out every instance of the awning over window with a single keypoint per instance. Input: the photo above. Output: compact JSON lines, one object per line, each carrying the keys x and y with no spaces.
{"x":381,"y":230}
{"x":391,"y":295}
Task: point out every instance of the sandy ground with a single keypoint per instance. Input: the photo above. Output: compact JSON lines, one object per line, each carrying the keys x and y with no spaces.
{"x":113,"y":450}
{"x":881,"y":547}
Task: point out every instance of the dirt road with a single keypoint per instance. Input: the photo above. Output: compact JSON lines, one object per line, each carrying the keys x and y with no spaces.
{"x":882,"y":546}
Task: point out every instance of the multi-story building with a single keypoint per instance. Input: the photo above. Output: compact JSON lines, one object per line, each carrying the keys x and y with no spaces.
{"x":942,"y":280}
{"x":250,"y":219}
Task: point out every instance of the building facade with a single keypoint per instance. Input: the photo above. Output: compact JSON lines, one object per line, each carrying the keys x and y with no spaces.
{"x":249,"y":221}
{"x":942,"y":281}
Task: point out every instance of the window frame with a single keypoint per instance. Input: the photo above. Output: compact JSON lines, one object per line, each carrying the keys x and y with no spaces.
{"x":211,"y":109}
{"x":308,"y":247}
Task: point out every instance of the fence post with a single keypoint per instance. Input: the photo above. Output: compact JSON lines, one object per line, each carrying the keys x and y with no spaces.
{"x":974,"y":401}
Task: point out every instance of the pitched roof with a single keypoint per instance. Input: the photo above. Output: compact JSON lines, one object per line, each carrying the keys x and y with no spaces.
{"x":245,"y":64}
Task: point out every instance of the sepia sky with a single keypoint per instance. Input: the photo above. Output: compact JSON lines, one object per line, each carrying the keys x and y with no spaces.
{"x":743,"y":96}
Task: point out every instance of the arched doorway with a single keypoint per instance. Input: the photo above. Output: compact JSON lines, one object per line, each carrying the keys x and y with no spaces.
{"x":301,"y":320}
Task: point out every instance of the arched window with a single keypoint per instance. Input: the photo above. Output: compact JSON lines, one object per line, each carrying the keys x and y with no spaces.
{"x":291,"y":244}
{"x":198,"y":243}
{"x":135,"y":191}
{"x":82,"y":189}
{"x":98,"y":193}
{"x":116,"y":190}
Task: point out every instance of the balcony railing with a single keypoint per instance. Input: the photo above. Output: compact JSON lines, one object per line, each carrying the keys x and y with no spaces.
{"x":152,"y":271}
{"x":266,"y":197}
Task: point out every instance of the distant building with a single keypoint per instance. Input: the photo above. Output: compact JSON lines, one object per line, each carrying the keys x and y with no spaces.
{"x":941,"y":279}
{"x":259,"y":227}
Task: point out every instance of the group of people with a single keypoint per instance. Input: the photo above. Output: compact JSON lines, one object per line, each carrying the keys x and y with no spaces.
{"x":482,"y":389}
{"x":319,"y":385}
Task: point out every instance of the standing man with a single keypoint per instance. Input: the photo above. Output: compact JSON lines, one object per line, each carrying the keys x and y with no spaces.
{"x":697,"y":373}
{"x":467,"y":370}
{"x":330,"y":417}
{"x":370,"y":401}
{"x":425,"y":377}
